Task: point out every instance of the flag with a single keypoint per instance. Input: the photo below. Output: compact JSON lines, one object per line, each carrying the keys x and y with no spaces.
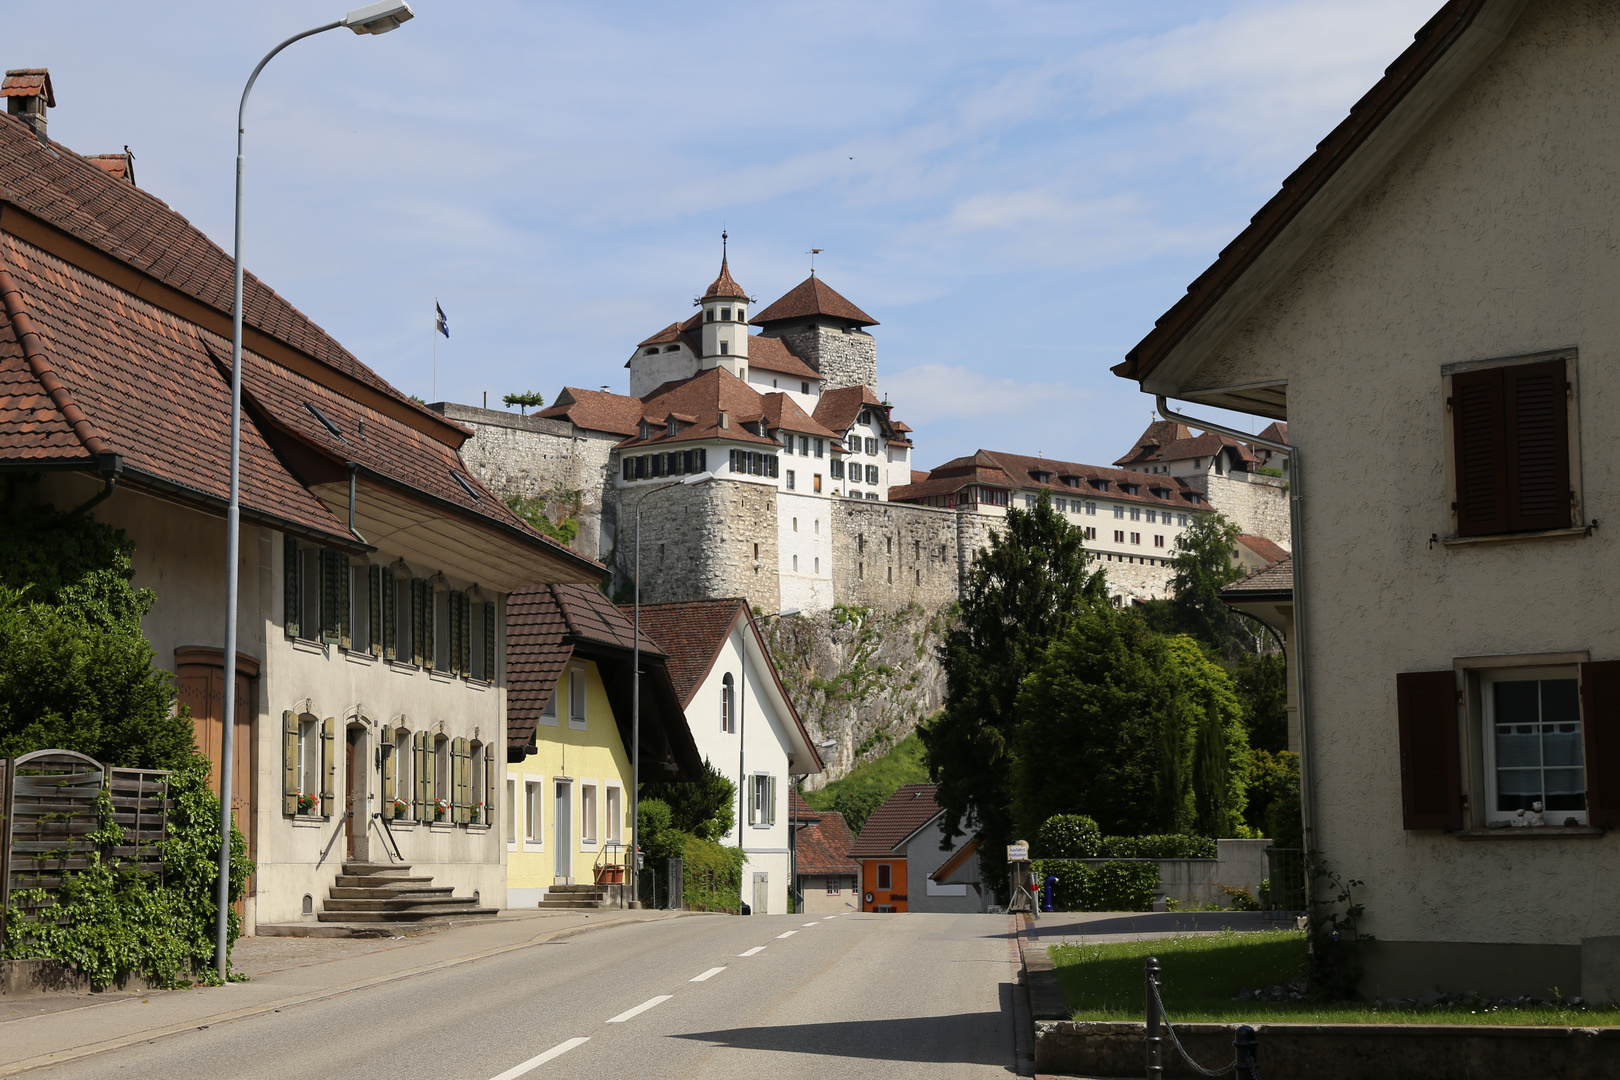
{"x":441,"y":324}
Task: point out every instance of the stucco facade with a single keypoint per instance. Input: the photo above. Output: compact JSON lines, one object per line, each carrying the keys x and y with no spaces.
{"x":1485,"y":237}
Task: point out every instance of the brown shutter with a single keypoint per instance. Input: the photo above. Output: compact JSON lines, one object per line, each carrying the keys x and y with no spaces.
{"x":489,"y":640}
{"x":1479,"y":452}
{"x":1600,"y":720}
{"x":374,"y":607}
{"x":289,"y":763}
{"x":1431,"y":764}
{"x":328,"y":765}
{"x":389,"y":784}
{"x":292,"y":590}
{"x":1535,"y":403}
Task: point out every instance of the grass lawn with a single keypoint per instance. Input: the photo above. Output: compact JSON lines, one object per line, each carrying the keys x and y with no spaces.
{"x":1201,"y":975}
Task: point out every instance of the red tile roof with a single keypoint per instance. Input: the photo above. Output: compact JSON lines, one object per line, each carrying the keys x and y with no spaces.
{"x":667,"y":336}
{"x":1267,"y":549}
{"x":812,"y":296}
{"x":1016,"y":471}
{"x":824,"y":846}
{"x":79,"y":198}
{"x":837,"y":410}
{"x":724,"y":286}
{"x":596,"y":410}
{"x":1430,"y":46}
{"x":1275,"y":582}
{"x":1206,"y":445}
{"x":1277,"y":431}
{"x":906,"y":811}
{"x":692,"y":635}
{"x":774,"y":354}
{"x":781,"y":411}
{"x":117,"y":166}
{"x":704,"y":396}
{"x":1159,"y":434}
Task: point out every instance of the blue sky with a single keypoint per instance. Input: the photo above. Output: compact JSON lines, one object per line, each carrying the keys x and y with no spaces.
{"x":1014,"y":190}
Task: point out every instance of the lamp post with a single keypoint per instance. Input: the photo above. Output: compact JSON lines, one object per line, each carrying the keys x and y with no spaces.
{"x":635,"y":693}
{"x":371,"y":19}
{"x":742,"y":737}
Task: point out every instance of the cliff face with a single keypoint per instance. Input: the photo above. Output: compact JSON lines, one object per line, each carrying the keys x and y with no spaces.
{"x":860,"y":677}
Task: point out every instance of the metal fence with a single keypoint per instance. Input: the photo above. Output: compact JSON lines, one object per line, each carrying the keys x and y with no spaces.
{"x":1285,"y":869}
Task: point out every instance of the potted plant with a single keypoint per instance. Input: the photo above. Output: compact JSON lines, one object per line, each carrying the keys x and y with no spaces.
{"x":441,"y":807}
{"x":308,"y":804}
{"x":611,"y":874}
{"x":401,"y":809}
{"x":476,"y":813}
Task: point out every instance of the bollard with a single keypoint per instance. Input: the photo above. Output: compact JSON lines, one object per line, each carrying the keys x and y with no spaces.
{"x":1051,"y":883}
{"x":1155,"y":1071}
{"x":1247,"y":1047}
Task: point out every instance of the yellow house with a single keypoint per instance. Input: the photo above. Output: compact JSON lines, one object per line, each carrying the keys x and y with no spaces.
{"x":567,"y":798}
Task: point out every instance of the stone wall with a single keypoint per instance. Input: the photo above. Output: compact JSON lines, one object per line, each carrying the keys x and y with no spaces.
{"x":1258,"y":506}
{"x":891,"y":555}
{"x":699,"y":542}
{"x":529,"y":456}
{"x":973,"y":536}
{"x":842,"y":357}
{"x":1134,"y":580}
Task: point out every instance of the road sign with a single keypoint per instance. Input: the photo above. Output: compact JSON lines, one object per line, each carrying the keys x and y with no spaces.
{"x":1018,"y":852}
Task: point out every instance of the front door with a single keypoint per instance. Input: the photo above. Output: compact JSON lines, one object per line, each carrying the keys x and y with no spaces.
{"x":354,"y":796}
{"x":562,"y":820}
{"x":200,"y":675}
{"x":762,"y":894}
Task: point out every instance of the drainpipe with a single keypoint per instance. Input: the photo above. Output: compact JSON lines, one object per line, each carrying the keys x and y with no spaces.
{"x":354,"y":467}
{"x":112,"y":466}
{"x":1296,"y":532}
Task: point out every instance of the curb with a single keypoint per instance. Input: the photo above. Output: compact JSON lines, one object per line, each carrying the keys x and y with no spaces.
{"x":1047,"y":1001}
{"x":192,"y":1024}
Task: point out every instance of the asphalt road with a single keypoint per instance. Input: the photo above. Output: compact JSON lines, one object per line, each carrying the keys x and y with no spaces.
{"x":714,"y":997}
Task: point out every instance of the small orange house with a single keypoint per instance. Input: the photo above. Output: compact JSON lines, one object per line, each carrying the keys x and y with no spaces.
{"x":881,"y":847}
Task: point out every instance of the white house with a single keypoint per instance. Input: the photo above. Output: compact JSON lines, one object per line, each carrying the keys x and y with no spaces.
{"x":744,"y":725}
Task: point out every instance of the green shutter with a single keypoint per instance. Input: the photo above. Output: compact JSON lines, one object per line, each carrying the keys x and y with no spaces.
{"x":374,"y":606}
{"x":390,"y":617}
{"x":389,"y":771}
{"x":430,"y":603}
{"x":416,"y":621}
{"x":290,"y":583}
{"x":453,"y":601}
{"x":328,"y":765}
{"x":489,"y":640}
{"x":466,"y":635}
{"x":419,"y":796}
{"x":331,"y":626}
{"x":459,"y":762}
{"x":771,"y":820}
{"x":492,"y":785}
{"x":345,"y":579}
{"x":289,"y":762}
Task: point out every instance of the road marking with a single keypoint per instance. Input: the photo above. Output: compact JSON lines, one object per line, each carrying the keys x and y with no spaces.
{"x":790,"y":933}
{"x":810,"y":924}
{"x":754,"y":951}
{"x":829,"y":917}
{"x":707,"y":975}
{"x":540,"y":1059}
{"x":639,"y":1009}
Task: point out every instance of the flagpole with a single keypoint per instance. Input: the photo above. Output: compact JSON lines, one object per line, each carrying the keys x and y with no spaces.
{"x":436,"y":310}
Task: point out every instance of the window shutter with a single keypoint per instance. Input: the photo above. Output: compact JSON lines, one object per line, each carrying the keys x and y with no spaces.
{"x":390,"y":792}
{"x":489,"y":640}
{"x":1431,"y":765}
{"x":328,"y":765}
{"x":430,"y":603}
{"x":374,"y":607}
{"x":465,"y":603}
{"x":345,"y":578}
{"x":1600,"y":722}
{"x":291,"y":590}
{"x":458,"y":781}
{"x":390,"y":623}
{"x":1535,"y":400}
{"x":702,"y":460}
{"x":771,"y":820}
{"x":1479,"y":440}
{"x":453,"y":600}
{"x":492,"y":782}
{"x":419,"y":797}
{"x":289,"y":762}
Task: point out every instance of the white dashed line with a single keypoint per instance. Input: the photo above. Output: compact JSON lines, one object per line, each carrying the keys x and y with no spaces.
{"x":639,"y":1009}
{"x":707,"y":975}
{"x":540,"y":1059}
{"x":790,"y":933}
{"x":809,"y":924}
{"x":829,"y":917}
{"x":757,"y":949}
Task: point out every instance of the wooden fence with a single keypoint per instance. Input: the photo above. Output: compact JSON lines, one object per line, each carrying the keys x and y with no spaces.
{"x":48,"y":814}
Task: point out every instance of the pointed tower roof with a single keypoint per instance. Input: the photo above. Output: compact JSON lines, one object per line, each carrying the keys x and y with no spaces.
{"x":811,"y":297}
{"x":725,"y":286}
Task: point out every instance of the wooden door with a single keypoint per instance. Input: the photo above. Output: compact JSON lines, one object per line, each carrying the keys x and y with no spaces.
{"x":200,"y":675}
{"x":349,"y":788}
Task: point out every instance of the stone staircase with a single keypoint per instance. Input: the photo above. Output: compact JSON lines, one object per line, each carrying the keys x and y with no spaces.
{"x":575,"y":898}
{"x":388,"y":893}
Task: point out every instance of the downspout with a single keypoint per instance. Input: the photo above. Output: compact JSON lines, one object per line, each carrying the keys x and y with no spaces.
{"x":354,"y":467}
{"x":1296,"y":532}
{"x":112,"y":466}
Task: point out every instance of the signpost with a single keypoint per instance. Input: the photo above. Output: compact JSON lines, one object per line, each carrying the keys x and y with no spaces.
{"x":1022,"y":898}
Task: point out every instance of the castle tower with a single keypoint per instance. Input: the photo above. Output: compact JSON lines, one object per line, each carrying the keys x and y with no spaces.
{"x":827,"y":331}
{"x":724,"y":335}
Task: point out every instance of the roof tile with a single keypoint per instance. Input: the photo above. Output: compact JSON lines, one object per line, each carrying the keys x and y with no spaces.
{"x":906,"y":811}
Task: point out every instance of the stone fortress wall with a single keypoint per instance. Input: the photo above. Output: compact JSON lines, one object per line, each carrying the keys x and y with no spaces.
{"x":843,"y":357}
{"x":1257,"y":505}
{"x":888,"y":555}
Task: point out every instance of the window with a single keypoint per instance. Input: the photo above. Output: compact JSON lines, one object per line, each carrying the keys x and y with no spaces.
{"x":1119,"y":537}
{"x":790,"y":479}
{"x":833,"y":883}
{"x":836,"y":468}
{"x":885,"y":877}
{"x":795,"y":564}
{"x":854,"y":443}
{"x":820,"y":445}
{"x":818,"y":564}
{"x":1511,"y":449}
{"x":511,"y":812}
{"x":871,"y":474}
{"x":1533,"y":745}
{"x":1181,"y":519}
{"x":309,"y":765}
{"x":615,"y":815}
{"x":441,"y":770}
{"x":725,"y":348}
{"x":872,"y":496}
{"x":1062,"y":504}
{"x":728,"y":705}
{"x":1136,"y":538}
{"x":401,"y":787}
{"x":871,"y":447}
{"x":1091,"y":508}
{"x":804,"y":388}
{"x":1152,"y":517}
{"x":576,"y":696}
{"x":440,"y":615}
{"x":1158,"y":541}
{"x":587,"y":814}
{"x":725,"y":314}
{"x":548,"y":716}
{"x":533,"y":792}
{"x":1119,"y":512}
{"x":708,"y":316}
{"x":815,"y":486}
{"x":1136,"y":513}
{"x":360,"y":602}
{"x":1091,"y":533}
{"x":762,"y":803}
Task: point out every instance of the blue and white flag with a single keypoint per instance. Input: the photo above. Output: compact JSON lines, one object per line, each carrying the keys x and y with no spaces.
{"x":441,"y":324}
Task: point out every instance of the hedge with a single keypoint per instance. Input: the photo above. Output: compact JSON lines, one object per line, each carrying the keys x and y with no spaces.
{"x":1169,"y":846}
{"x":1110,"y":886}
{"x":713,"y":876}
{"x":1075,"y":836}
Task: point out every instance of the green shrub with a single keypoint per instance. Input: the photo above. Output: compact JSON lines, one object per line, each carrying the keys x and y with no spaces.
{"x":1170,"y":846}
{"x":713,"y":876}
{"x":1069,"y":836}
{"x":1109,"y":886}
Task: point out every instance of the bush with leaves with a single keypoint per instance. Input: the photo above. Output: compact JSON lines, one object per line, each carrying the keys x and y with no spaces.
{"x":705,"y":808}
{"x":1163,"y":846}
{"x":1109,"y":886}
{"x":1262,"y":687}
{"x":1069,"y":836}
{"x":713,"y":876}
{"x":529,"y":399}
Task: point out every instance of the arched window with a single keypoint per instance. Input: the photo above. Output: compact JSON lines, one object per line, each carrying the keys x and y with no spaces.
{"x":728,"y":705}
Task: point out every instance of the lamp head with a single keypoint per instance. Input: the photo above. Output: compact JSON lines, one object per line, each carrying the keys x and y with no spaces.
{"x":787,"y":613}
{"x":697,"y":478}
{"x":378,"y":18}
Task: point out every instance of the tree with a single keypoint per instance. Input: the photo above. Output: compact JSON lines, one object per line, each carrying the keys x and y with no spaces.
{"x":1203,"y":567}
{"x":75,"y":670}
{"x":531,"y":399}
{"x":706,"y":808}
{"x":1024,"y":591}
{"x":1262,"y":686}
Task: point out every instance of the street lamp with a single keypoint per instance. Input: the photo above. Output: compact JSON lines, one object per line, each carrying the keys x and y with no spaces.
{"x":371,"y":19}
{"x":742,"y":740}
{"x":635,"y":694}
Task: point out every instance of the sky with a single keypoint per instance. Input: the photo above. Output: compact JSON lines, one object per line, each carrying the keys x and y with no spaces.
{"x":1015,"y":191}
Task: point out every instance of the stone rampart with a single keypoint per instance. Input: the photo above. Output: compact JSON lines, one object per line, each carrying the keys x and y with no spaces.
{"x":699,"y":542}
{"x":1258,"y":506}
{"x":890,"y":555}
{"x":531,"y":456}
{"x":842,"y":357}
{"x":1130,"y":581}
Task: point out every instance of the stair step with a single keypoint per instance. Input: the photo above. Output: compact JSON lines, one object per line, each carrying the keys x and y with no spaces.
{"x":416,"y":914}
{"x":384,"y":892}
{"x":374,"y":869}
{"x":571,"y":905}
{"x":577,"y":890}
{"x":381,"y":904}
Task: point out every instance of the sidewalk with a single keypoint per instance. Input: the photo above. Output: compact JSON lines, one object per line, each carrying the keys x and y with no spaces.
{"x":40,"y":1031}
{"x":1091,"y":927}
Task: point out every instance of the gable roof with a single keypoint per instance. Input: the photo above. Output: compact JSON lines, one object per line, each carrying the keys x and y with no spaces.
{"x":1159,"y":433}
{"x":774,"y":354}
{"x":1275,"y":582}
{"x":1444,"y":53}
{"x":781,"y":411}
{"x":900,"y":818}
{"x":837,"y":410}
{"x":824,"y":845}
{"x":812,"y":297}
{"x":702,"y":398}
{"x":1269,"y":550}
{"x":596,"y":410}
{"x":995,"y":468}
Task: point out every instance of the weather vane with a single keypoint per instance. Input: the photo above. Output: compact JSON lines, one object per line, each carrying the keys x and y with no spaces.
{"x":813,"y":252}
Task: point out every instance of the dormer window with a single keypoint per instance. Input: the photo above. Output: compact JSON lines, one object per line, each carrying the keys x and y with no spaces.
{"x":646,"y":430}
{"x":674,"y":428}
{"x":652,"y":350}
{"x":671,"y":348}
{"x":804,"y":388}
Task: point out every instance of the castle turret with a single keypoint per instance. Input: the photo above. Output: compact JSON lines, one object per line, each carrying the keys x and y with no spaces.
{"x":724,"y":335}
{"x":826,"y":330}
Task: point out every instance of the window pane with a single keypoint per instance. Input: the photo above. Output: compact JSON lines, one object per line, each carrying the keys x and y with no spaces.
{"x":1561,"y":744}
{"x":1560,"y":701}
{"x":1516,"y":702}
{"x":1518,"y":745}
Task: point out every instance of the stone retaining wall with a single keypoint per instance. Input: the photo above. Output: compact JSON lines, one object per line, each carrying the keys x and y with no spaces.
{"x":888,"y":555}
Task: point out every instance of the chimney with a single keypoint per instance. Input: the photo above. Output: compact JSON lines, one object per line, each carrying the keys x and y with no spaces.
{"x":28,"y":94}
